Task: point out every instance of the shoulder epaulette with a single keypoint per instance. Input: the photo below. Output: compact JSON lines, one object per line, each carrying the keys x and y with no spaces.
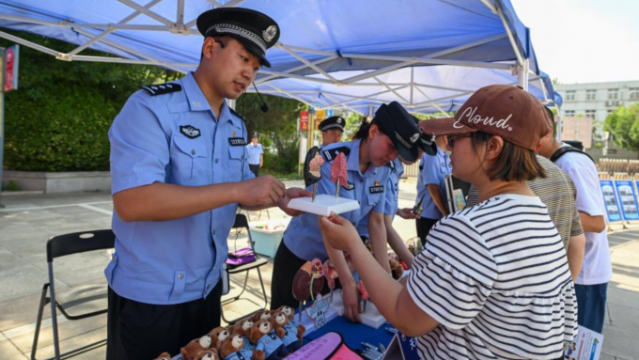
{"x":237,"y":114}
{"x":391,"y":165}
{"x":329,"y":155}
{"x":161,"y":89}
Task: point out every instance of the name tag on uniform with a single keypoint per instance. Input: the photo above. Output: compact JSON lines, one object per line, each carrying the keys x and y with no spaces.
{"x":237,"y":141}
{"x":376,"y":189}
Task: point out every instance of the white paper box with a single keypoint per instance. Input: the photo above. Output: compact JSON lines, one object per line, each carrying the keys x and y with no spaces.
{"x":324,"y":205}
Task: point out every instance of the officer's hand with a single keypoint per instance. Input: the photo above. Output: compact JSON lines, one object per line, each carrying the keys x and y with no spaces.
{"x":261,"y":191}
{"x":338,"y":232}
{"x":351,"y":302}
{"x":407,"y":213}
{"x":292,"y":193}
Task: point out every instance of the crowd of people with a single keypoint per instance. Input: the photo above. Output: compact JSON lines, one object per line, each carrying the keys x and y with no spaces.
{"x":510,"y":276}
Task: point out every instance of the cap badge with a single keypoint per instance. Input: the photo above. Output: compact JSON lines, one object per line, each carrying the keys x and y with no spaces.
{"x":339,"y":120}
{"x":269,"y":33}
{"x":414,"y":138}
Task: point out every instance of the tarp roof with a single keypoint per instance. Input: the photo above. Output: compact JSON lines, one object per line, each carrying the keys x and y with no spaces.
{"x":326,"y":45}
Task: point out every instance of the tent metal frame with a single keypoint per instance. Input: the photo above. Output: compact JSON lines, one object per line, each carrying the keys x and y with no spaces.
{"x":107,"y":35}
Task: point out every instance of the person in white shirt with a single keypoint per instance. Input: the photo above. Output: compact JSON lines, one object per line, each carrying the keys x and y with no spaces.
{"x":493,"y":281}
{"x":591,"y":285}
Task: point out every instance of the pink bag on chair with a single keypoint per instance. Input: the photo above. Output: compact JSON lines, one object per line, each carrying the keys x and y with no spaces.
{"x":240,"y":257}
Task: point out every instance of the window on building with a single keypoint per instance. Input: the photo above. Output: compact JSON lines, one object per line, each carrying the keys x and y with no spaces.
{"x":570,"y":95}
{"x":570,"y":113}
{"x":591,"y":114}
{"x":591,"y":94}
{"x":613,"y":94}
{"x":633,"y":93}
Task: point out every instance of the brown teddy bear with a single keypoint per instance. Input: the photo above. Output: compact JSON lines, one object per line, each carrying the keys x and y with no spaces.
{"x":218,"y":335}
{"x":267,"y":344}
{"x":288,"y":311}
{"x":207,"y":355}
{"x":233,"y":349}
{"x":193,"y":349}
{"x":261,"y":315}
{"x":286,"y":331}
{"x":242,"y":328}
{"x":164,"y":356}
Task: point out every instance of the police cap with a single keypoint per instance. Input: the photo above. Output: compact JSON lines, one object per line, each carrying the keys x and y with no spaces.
{"x":256,"y":31}
{"x":396,"y":123}
{"x":333,"y":122}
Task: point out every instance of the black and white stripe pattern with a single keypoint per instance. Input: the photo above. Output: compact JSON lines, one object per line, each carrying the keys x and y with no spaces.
{"x":496,"y":279}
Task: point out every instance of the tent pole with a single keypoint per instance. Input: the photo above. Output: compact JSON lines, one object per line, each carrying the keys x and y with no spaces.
{"x":522,"y":74}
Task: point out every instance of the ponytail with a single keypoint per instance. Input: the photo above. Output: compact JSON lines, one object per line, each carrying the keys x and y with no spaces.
{"x":362,"y":132}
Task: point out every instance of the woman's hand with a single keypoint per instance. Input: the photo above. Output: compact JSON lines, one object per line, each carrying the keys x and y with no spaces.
{"x":407,"y":213}
{"x":351,"y":301}
{"x":338,"y":232}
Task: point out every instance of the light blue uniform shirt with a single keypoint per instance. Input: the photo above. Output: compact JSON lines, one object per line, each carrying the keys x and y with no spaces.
{"x":173,"y":138}
{"x":254,"y":153}
{"x":303,"y":236}
{"x":392,"y":193}
{"x":433,"y":169}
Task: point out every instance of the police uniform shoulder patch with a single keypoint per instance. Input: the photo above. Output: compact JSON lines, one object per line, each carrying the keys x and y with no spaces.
{"x":161,"y":89}
{"x":391,"y":165}
{"x":190,"y":131}
{"x":330,"y":154}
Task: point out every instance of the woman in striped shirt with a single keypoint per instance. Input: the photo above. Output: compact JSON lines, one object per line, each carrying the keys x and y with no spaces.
{"x":493,"y":282}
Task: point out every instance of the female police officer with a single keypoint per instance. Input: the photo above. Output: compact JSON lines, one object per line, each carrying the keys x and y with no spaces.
{"x":392,"y":132}
{"x":179,"y":169}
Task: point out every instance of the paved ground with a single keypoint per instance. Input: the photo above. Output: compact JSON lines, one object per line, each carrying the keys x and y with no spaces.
{"x":28,"y":220}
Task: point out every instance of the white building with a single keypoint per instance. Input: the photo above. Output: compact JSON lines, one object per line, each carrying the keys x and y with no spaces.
{"x":596,"y":101}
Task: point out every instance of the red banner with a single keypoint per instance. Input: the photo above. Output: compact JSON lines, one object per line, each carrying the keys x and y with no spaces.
{"x":304,"y":120}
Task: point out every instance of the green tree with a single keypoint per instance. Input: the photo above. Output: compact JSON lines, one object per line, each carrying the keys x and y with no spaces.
{"x":278,"y":127}
{"x":59,"y":117}
{"x":623,"y":125}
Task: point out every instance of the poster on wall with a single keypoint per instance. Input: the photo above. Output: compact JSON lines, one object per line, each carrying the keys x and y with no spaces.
{"x":612,"y":206}
{"x":627,"y":199}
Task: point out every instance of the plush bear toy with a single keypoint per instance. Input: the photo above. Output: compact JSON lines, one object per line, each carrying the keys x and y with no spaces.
{"x":164,"y":356}
{"x":286,"y":331}
{"x":261,"y":315}
{"x":242,"y":328}
{"x":218,"y":335}
{"x":267,"y":344}
{"x":233,"y":349}
{"x":301,"y":330}
{"x":193,"y":349}
{"x":208,"y":355}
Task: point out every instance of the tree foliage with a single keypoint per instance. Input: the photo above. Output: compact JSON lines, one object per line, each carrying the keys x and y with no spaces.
{"x":623,"y":125}
{"x":278,"y":127}
{"x":59,"y":117}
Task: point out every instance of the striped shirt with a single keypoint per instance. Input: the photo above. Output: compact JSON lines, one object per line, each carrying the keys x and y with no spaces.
{"x":496,"y":279}
{"x":558,"y":192}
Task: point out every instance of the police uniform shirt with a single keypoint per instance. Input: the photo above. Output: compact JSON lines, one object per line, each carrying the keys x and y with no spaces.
{"x":432,"y":170}
{"x":303,"y":235}
{"x":254,"y":152}
{"x":173,"y":137}
{"x":392,"y":194}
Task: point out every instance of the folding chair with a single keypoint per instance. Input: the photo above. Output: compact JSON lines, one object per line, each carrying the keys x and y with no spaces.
{"x":241,"y":223}
{"x":82,"y":302}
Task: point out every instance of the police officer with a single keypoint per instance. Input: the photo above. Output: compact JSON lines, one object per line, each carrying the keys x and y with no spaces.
{"x":391,"y":133}
{"x":179,"y":170}
{"x":255,"y":155}
{"x":332,"y":129}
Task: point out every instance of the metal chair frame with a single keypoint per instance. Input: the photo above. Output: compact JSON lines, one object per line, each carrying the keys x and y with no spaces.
{"x":59,"y":246}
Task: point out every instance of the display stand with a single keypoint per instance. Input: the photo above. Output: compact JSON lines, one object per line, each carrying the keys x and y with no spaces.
{"x":324,"y":205}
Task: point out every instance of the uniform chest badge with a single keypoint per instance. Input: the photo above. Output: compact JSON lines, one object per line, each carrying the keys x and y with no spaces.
{"x":376,"y":189}
{"x":350,"y":186}
{"x":237,"y":141}
{"x":190,"y":132}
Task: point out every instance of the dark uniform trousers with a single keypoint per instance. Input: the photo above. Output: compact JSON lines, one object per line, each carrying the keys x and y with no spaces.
{"x":137,"y":331}
{"x":423,"y":226}
{"x":255,"y":169}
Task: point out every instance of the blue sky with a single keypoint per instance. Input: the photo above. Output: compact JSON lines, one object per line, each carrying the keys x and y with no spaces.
{"x":580,"y":41}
